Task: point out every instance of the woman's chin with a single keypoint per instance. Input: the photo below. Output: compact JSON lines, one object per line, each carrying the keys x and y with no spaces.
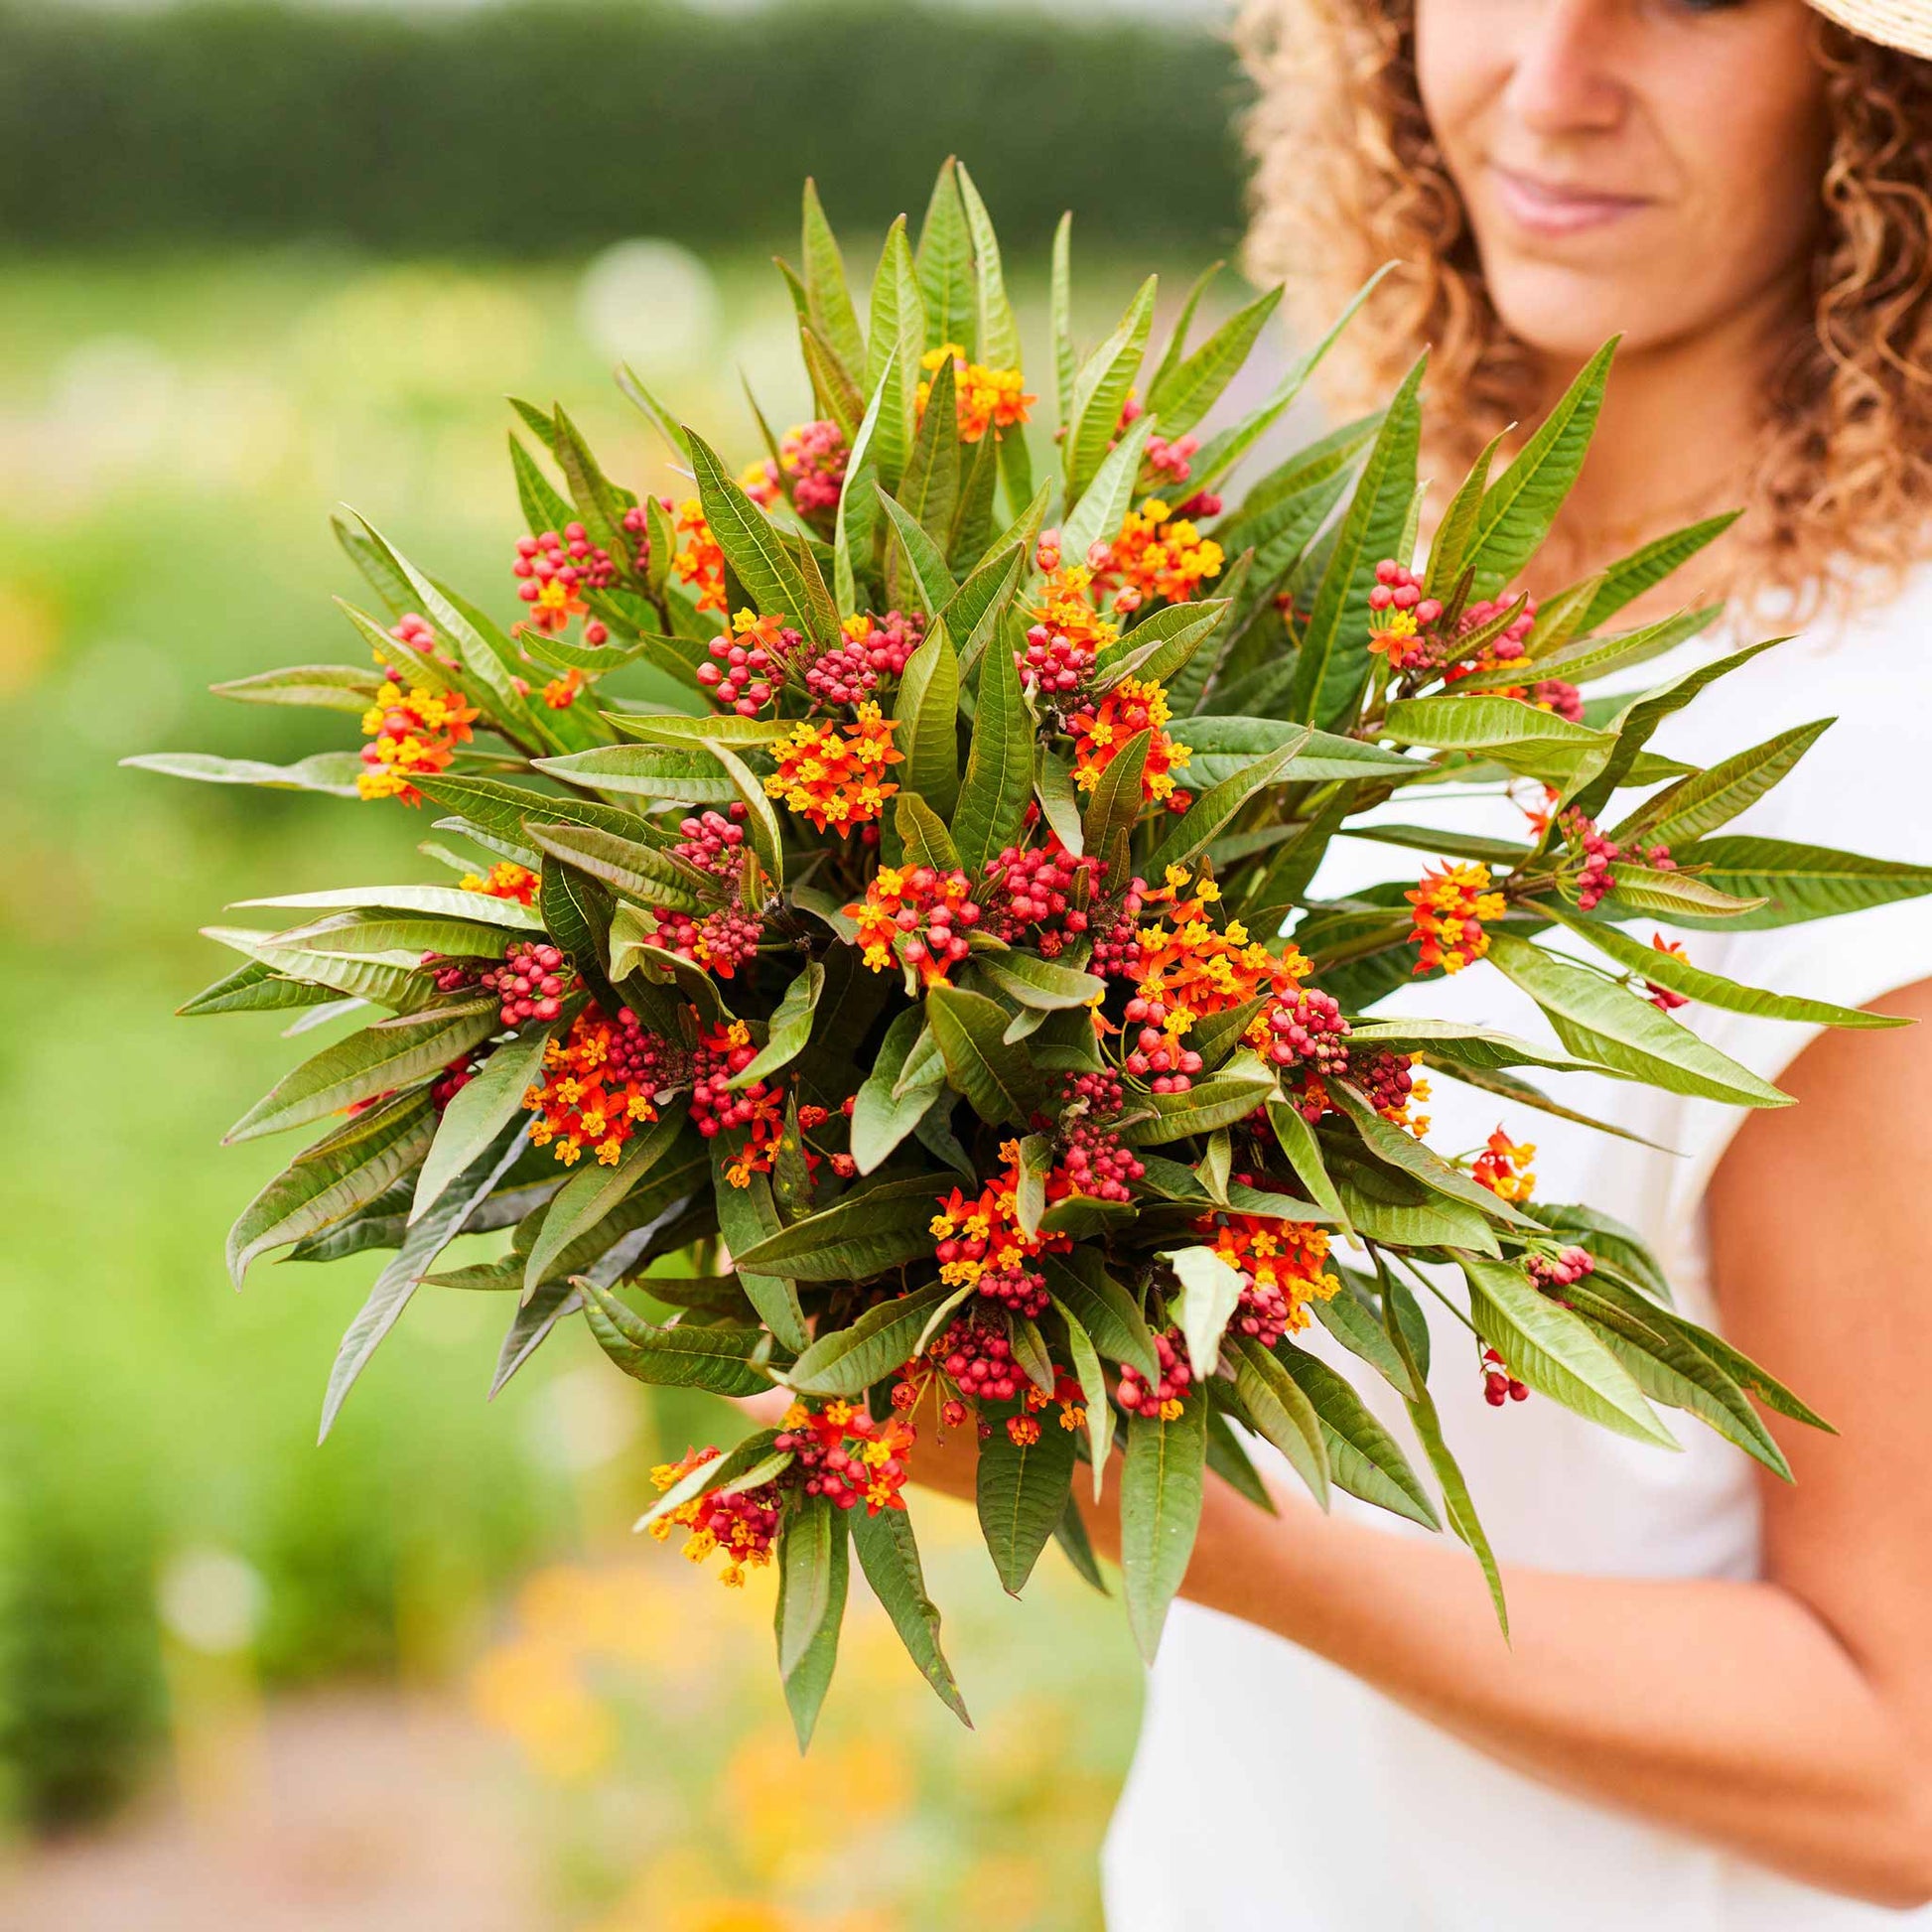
{"x":1567,"y":313}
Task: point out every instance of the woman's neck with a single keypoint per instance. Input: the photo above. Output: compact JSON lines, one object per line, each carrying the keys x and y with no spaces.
{"x":1674,"y":439}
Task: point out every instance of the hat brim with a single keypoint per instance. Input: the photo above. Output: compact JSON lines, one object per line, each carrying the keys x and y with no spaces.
{"x":1903,"y":24}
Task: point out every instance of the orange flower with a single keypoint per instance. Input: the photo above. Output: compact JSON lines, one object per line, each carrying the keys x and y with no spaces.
{"x":835,"y":775}
{"x":933,"y":939}
{"x":982,"y":1236}
{"x":1503,"y":1166}
{"x":1100,"y":730}
{"x":506,"y":880}
{"x":985,"y":398}
{"x":597,"y":1083}
{"x":1281,"y":1264}
{"x":411,"y":733}
{"x":1451,"y":904}
{"x":1156,"y":555}
{"x":701,"y":561}
{"x":561,"y":692}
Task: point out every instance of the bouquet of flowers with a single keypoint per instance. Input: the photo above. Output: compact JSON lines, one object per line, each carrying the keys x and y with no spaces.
{"x":882,"y":960}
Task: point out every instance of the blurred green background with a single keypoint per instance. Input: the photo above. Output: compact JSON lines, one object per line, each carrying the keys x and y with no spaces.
{"x":257,"y":263}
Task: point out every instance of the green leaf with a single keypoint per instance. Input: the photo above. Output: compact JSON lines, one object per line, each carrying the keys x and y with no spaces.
{"x":648,"y":771}
{"x":880,"y":1120}
{"x":640,"y":872}
{"x":444,"y":902}
{"x":1710,"y":798}
{"x":1462,"y":1509}
{"x":929,"y":493}
{"x":1521,"y":504}
{"x":1160,"y":1514}
{"x":828,"y":298}
{"x":1325,"y":757}
{"x":852,"y":539}
{"x":1084,"y":1290}
{"x":1555,"y":1352}
{"x":1159,"y":646}
{"x":479,"y":1113}
{"x":862,"y":1234}
{"x":330,"y":687}
{"x":413,"y":1260}
{"x":1627,"y":579}
{"x":343,"y":1172}
{"x":1022,"y":1492}
{"x":945,"y":265}
{"x":254,"y":988}
{"x":1061,"y":319}
{"x":334,"y":773}
{"x":1180,"y":397}
{"x":1093,"y":1394}
{"x":1227,"y":1458}
{"x":888,"y":1553}
{"x":1600,"y":1019}
{"x":1673,"y":894}
{"x":814,"y":1568}
{"x":894,"y":343}
{"x":1361,"y":1334}
{"x":1282,"y":1412}
{"x":1096,"y":517}
{"x":721,"y":1472}
{"x":927,"y":562}
{"x":1114,"y":804}
{"x":970,"y":1030}
{"x":1210,"y":1291}
{"x":683,"y":1355}
{"x":998,"y":333}
{"x":1510,"y":731}
{"x":761,"y":820}
{"x":1711,"y":989}
{"x":922,"y":833}
{"x":927,"y":710}
{"x":393,"y":1053}
{"x":752,"y":547}
{"x":1100,"y":392}
{"x":1457,"y":529}
{"x":1363,"y":1457}
{"x":1231,"y":1096}
{"x":1040,"y":983}
{"x":1334,"y":661}
{"x":998,"y":782}
{"x":1401,"y":1150}
{"x":792,"y":1027}
{"x":594,"y":1189}
{"x":1296,"y":1140}
{"x":1798,"y":881}
{"x":745,"y":1216}
{"x":1215,"y":809}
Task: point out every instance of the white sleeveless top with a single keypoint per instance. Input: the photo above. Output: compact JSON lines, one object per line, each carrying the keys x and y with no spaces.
{"x":1271,"y":1792}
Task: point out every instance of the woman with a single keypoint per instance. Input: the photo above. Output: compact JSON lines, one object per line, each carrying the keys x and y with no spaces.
{"x":1716,"y":1712}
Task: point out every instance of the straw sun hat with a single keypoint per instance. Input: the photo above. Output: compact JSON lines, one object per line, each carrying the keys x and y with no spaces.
{"x":1905,"y":24}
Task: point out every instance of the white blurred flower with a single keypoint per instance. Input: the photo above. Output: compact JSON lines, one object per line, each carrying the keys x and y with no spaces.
{"x":213,"y":1599}
{"x":648,"y":302}
{"x":583,"y":1419}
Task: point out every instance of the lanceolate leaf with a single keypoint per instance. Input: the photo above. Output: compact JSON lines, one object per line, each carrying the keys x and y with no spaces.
{"x":1626,"y":581}
{"x":1701,"y":803}
{"x":1796,"y":881}
{"x":1555,"y":1352}
{"x":792,"y":1027}
{"x":343,"y":1171}
{"x":1100,"y":392}
{"x":1335,"y":661}
{"x":413,"y":1260}
{"x":683,"y":1355}
{"x":1711,"y":989}
{"x":745,"y":1216}
{"x":971,"y":1034}
{"x":1103,"y":1307}
{"x":1363,"y":1457}
{"x":1022,"y":1490}
{"x":945,"y":267}
{"x":479,"y":1113}
{"x":392,"y":1053}
{"x":1210,"y":1291}
{"x":750,"y":543}
{"x":1282,"y":1412}
{"x":894,"y":343}
{"x":998,"y":782}
{"x":1181,"y":396}
{"x":1521,"y":504}
{"x":880,"y":1122}
{"x":890,"y":1557}
{"x":814,"y":1568}
{"x":594,"y":1189}
{"x":1160,"y":1514}
{"x":1600,"y":1019}
{"x":1217,"y":807}
{"x":927,"y":710}
{"x":826,"y":294}
{"x":863,"y":1233}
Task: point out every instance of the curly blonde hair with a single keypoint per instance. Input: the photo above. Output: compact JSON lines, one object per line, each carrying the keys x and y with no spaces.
{"x":1348,"y":176}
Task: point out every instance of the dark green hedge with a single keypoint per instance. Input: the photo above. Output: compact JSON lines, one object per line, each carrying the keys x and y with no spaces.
{"x":542,"y":128}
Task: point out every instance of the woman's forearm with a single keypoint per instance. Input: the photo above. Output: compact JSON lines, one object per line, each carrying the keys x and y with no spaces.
{"x":1725,"y":1709}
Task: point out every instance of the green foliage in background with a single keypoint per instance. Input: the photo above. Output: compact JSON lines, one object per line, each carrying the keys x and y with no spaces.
{"x":218,"y":123}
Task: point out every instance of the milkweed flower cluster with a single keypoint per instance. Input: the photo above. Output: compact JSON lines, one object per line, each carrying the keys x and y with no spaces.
{"x":931,"y":996}
{"x":598,"y":1083}
{"x":986,"y":399}
{"x":1455,"y":905}
{"x":412,"y":733}
{"x":835,"y":774}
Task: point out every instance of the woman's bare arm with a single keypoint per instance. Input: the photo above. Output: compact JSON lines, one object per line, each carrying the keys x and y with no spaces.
{"x":1789,"y":1719}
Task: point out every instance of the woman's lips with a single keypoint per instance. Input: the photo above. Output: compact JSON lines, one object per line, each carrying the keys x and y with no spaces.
{"x":1549,"y":208}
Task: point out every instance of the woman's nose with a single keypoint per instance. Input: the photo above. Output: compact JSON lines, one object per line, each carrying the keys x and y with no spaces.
{"x":1564,"y":77}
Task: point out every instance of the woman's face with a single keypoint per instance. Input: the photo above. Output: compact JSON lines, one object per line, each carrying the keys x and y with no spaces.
{"x":1643,"y":166}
